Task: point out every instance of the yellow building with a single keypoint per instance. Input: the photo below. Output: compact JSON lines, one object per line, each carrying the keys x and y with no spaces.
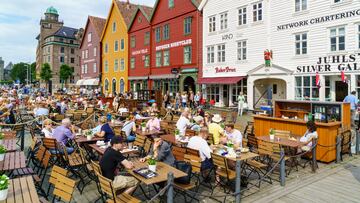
{"x":114,"y":42}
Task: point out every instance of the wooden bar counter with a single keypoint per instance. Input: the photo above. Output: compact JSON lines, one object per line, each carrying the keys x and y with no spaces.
{"x":286,"y":117}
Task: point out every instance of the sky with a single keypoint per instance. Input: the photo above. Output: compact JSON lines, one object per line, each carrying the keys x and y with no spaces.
{"x":19,"y":22}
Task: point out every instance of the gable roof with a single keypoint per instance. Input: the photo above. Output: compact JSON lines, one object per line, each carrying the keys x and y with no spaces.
{"x":67,"y":32}
{"x":196,"y":3}
{"x":98,"y":23}
{"x":145,"y":10}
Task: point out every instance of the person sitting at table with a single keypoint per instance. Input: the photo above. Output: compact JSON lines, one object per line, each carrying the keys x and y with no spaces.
{"x":309,"y":135}
{"x":122,"y":109}
{"x":106,"y":132}
{"x":64,"y":133}
{"x":183,"y":122}
{"x":41,"y":110}
{"x":153,"y":108}
{"x":199,"y":142}
{"x":161,"y":151}
{"x":199,"y":122}
{"x":153,"y":123}
{"x":200,"y":112}
{"x":47,"y":128}
{"x":97,"y":130}
{"x":233,"y":135}
{"x":129,"y":128}
{"x":215,"y":129}
{"x":109,"y":163}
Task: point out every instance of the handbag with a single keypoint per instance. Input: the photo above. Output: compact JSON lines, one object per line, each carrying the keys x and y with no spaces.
{"x":186,"y":168}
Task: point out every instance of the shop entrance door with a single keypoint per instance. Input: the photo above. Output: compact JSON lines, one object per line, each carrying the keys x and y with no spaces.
{"x":226,"y":95}
{"x":341,"y":90}
{"x":189,"y":84}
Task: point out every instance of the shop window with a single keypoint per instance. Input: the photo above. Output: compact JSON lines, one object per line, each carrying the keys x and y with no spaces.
{"x":327,"y":89}
{"x":122,"y":86}
{"x":157,"y":85}
{"x":213,"y":92}
{"x":221,"y":52}
{"x":241,"y":49}
{"x":147,"y":61}
{"x":212,"y":24}
{"x":242,"y":16}
{"x":337,"y":39}
{"x":241,"y":86}
{"x":144,"y":85}
{"x":173,"y":86}
{"x":166,"y":56}
{"x":300,"y":5}
{"x":114,"y":86}
{"x":106,"y":85}
{"x":187,"y":54}
{"x":116,"y":65}
{"x":301,"y":43}
{"x":223,"y":21}
{"x":257,"y":12}
{"x":132,"y":85}
{"x":305,"y":88}
{"x":158,"y":59}
{"x":210,"y":54}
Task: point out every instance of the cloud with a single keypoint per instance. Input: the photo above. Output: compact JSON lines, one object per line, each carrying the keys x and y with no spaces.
{"x":19,"y":22}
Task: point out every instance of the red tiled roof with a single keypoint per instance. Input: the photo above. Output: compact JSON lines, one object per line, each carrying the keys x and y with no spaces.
{"x":127,"y":10}
{"x":98,"y":23}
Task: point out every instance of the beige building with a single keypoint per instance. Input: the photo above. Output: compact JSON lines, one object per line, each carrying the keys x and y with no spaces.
{"x":58,"y":45}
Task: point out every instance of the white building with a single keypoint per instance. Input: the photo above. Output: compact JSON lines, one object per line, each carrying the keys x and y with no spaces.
{"x":299,"y":33}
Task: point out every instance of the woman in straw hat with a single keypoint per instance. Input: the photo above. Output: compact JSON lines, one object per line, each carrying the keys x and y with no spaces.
{"x":215,"y":129}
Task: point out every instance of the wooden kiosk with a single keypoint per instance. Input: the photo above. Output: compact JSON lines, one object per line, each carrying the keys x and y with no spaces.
{"x":290,"y":115}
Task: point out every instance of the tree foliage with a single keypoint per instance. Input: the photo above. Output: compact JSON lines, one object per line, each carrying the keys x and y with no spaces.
{"x":33,"y":72}
{"x":46,"y":73}
{"x":65,"y":72}
{"x":18,"y":72}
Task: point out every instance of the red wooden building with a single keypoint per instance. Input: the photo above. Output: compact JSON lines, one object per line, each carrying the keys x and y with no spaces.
{"x":139,"y":49}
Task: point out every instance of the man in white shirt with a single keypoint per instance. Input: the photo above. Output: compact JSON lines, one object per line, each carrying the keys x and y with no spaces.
{"x":183,"y":122}
{"x":233,"y":135}
{"x":199,"y":143}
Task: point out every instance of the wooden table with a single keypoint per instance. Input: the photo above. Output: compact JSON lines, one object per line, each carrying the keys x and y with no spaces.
{"x":22,"y":190}
{"x":148,"y":133}
{"x":10,"y":145}
{"x":9,"y":134}
{"x":172,"y":140}
{"x":83,"y":139}
{"x":12,"y":161}
{"x":101,"y":151}
{"x":116,"y":124}
{"x":244,"y":156}
{"x":282,"y":141}
{"x":162,"y":170}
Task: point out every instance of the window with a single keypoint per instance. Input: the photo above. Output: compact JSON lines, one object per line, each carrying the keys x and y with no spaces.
{"x":85,"y":69}
{"x":114,"y":27}
{"x":242,"y":16}
{"x":257,"y":12}
{"x":132,"y":42}
{"x":213,"y":92}
{"x":106,"y":65}
{"x":241,"y":50}
{"x":83,"y":54}
{"x":166,"y":30}
{"x":86,"y":53}
{"x":94,"y":68}
{"x":122,"y":86}
{"x":62,"y":49}
{"x":71,"y":41}
{"x":357,"y":85}
{"x":95,"y":50}
{"x":187,"y":54}
{"x":122,"y":44}
{"x":338,"y":1}
{"x":358,"y":35}
{"x":122,"y":64}
{"x":301,"y":43}
{"x":114,"y":86}
{"x":89,"y":37}
{"x":106,"y":48}
{"x":49,"y":59}
{"x":147,"y":38}
{"x":212,"y":24}
{"x":327,"y":88}
{"x":48,"y":49}
{"x":62,"y":59}
{"x":116,"y":65}
{"x":132,"y":63}
{"x":221,"y":52}
{"x":173,"y":86}
{"x":337,"y":39}
{"x":158,"y":59}
{"x":116,"y":46}
{"x":241,"y":86}
{"x":158,"y":34}
{"x":305,"y":88}
{"x":147,"y":61}
{"x":72,"y":60}
{"x":106,"y":85}
{"x":187,"y":25}
{"x":166,"y":56}
{"x":300,"y":5}
{"x":72,"y":51}
{"x":210,"y":54}
{"x":171,"y":3}
{"x":223,"y":21}
{"x":82,"y":69}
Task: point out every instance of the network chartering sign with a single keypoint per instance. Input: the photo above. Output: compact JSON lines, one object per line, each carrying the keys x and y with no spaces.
{"x":334,"y":63}
{"x":317,"y":20}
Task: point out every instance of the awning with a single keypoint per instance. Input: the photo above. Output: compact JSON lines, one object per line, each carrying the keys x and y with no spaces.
{"x":220,"y":80}
{"x":80,"y":82}
{"x":91,"y":82}
{"x":137,"y":77}
{"x":165,"y":76}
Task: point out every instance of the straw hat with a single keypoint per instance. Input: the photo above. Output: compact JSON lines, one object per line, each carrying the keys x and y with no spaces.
{"x":217,"y":118}
{"x":198,"y":119}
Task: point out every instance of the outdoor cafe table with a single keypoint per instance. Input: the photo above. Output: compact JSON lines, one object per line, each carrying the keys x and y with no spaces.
{"x":148,"y":133}
{"x":9,"y":134}
{"x":10,"y":145}
{"x":172,"y":140}
{"x":244,"y":156}
{"x":101,"y":150}
{"x":22,"y":190}
{"x":12,"y":161}
{"x":282,"y":141}
{"x":84,"y":140}
{"x":162,"y":171}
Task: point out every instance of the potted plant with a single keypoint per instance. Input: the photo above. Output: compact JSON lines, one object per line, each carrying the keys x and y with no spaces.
{"x":4,"y":185}
{"x":272,"y":134}
{"x":2,"y":152}
{"x":177,"y":133}
{"x":143,"y":126}
{"x":89,"y":134}
{"x":1,"y":137}
{"x":152,"y":164}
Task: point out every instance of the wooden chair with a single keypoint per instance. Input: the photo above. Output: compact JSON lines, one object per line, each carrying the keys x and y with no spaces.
{"x":77,"y":116}
{"x":249,"y":129}
{"x":223,"y":171}
{"x":64,"y":188}
{"x":345,"y":143}
{"x":108,"y":189}
{"x":190,"y":133}
{"x":194,"y":152}
{"x":139,"y":141}
{"x":56,"y":171}
{"x":59,"y":117}
{"x":282,"y":134}
{"x":178,"y":153}
{"x":252,"y":143}
{"x":89,"y":110}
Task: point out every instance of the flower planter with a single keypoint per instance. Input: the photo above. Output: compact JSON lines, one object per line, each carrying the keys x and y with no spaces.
{"x":152,"y":168}
{"x":272,"y":136}
{"x":3,"y":194}
{"x":143,"y":129}
{"x":88,"y":137}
